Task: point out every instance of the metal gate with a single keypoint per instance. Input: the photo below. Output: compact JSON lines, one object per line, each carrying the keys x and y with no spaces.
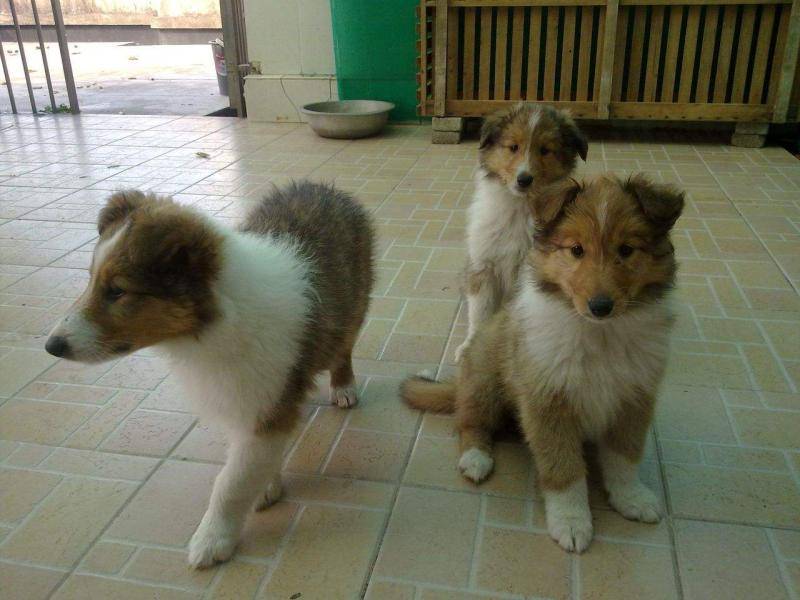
{"x":234,"y":36}
{"x":69,"y":80}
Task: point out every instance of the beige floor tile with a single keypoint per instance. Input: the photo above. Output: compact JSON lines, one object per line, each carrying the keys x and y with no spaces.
{"x":20,"y":366}
{"x":788,"y":543}
{"x":507,"y":511}
{"x":430,"y":537}
{"x":369,"y":455}
{"x":609,"y":524}
{"x":168,"y":508}
{"x":148,"y":433}
{"x":379,"y":409}
{"x":203,"y":443}
{"x":745,"y":458}
{"x":67,"y":522}
{"x":99,"y":464}
{"x":167,"y":566}
{"x":774,"y":429}
{"x":238,"y":580}
{"x":81,"y":587}
{"x":104,"y":421}
{"x":427,"y":317}
{"x":264,"y":531}
{"x":385,"y":590}
{"x":138,"y":372}
{"x":414,"y":348}
{"x":29,"y":455}
{"x":693,"y":413}
{"x":315,"y":560}
{"x":521,"y":562}
{"x":21,"y":490}
{"x":41,"y":422}
{"x":107,"y":558}
{"x":730,"y":494}
{"x":627,"y":571}
{"x":315,"y":443}
{"x":351,"y":492}
{"x":726,"y":561}
{"x":23,"y":582}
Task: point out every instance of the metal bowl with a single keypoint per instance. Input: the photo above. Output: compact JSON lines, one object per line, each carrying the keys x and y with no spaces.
{"x":347,"y":119}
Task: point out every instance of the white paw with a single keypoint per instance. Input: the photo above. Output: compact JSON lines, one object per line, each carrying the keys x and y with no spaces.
{"x":461,"y":349}
{"x":272,"y":495}
{"x":344,"y":397}
{"x":636,"y":502}
{"x":475,"y":464}
{"x":213,"y":542}
{"x":572,"y":532}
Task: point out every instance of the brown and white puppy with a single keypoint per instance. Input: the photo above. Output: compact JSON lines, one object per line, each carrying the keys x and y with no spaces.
{"x":579,"y":353}
{"x":248,"y":317}
{"x":521,"y":150}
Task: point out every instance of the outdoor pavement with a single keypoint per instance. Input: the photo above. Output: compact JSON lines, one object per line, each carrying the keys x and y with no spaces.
{"x":105,"y":471}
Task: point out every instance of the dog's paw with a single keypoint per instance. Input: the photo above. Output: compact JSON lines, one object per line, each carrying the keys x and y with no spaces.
{"x":573,"y":532}
{"x":475,"y":464}
{"x":271,"y":496}
{"x":344,"y":397}
{"x":213,"y":542}
{"x":636,"y":502}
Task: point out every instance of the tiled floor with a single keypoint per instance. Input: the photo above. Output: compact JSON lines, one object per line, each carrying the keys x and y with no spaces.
{"x":104,"y":471}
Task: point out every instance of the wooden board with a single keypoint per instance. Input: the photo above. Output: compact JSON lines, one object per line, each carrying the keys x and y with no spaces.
{"x":533,"y":54}
{"x":468,"y":68}
{"x":584,"y":57}
{"x":607,"y":63}
{"x":518,"y":31}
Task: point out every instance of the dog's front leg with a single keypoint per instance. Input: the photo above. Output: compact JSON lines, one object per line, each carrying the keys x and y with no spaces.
{"x":482,"y":300}
{"x":254,"y":460}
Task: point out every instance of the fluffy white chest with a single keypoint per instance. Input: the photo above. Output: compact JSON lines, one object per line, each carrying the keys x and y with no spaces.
{"x":237,"y":368}
{"x":597,"y":365}
{"x":498,"y":230}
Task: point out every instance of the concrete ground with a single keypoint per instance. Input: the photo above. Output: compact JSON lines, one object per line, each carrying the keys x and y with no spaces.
{"x":119,"y":78}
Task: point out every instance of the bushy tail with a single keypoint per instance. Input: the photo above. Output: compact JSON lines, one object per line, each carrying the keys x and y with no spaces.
{"x":426,"y":394}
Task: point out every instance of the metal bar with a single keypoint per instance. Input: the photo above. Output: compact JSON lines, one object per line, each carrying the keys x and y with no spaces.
{"x":22,"y":55}
{"x":44,"y":54}
{"x":66,"y":64}
{"x":8,"y":78}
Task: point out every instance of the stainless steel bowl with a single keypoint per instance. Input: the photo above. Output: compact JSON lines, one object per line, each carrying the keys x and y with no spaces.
{"x":347,"y":119}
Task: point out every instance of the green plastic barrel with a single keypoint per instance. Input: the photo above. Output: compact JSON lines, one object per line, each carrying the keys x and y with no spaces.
{"x":374,"y":46}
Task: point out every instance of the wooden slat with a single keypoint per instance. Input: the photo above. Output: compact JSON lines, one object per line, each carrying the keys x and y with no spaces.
{"x":518,"y":16}
{"x":500,"y":48}
{"x":689,"y":54}
{"x":638,"y":14}
{"x":788,"y":70}
{"x":452,"y":53}
{"x":533,"y":54}
{"x":567,"y":53}
{"x":653,"y":54}
{"x":440,"y":58}
{"x":485,"y":55}
{"x":468,"y":68}
{"x":743,"y":53}
{"x":550,"y":54}
{"x":698,"y":2}
{"x":598,"y":74}
{"x":762,"y":55}
{"x":584,"y":55}
{"x":607,"y":63}
{"x":777,"y":57}
{"x":476,"y":3}
{"x":690,"y":111}
{"x":477,"y":108}
{"x":671,"y":54}
{"x":621,"y":57}
{"x":704,"y":74}
{"x":726,"y":52}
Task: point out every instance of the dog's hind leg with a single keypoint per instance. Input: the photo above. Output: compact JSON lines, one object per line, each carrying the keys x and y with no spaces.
{"x":479,"y":414}
{"x":343,"y":383}
{"x":254,"y":460}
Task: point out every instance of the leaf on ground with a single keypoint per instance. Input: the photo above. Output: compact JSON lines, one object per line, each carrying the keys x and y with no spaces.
{"x":202,"y":155}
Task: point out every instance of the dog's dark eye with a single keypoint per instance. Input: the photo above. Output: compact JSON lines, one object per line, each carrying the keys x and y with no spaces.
{"x":544,"y":151}
{"x":577,"y":250}
{"x":625,"y":251}
{"x":114,"y":293}
{"x":514,"y":148}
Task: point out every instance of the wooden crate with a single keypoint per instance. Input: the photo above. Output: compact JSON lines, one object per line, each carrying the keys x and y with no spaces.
{"x":638,"y":59}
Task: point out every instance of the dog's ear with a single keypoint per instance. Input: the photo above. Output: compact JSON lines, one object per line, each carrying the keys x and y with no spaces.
{"x":491,"y":129}
{"x":573,"y":137}
{"x":550,"y":202}
{"x":118,"y":207}
{"x":661,"y":204}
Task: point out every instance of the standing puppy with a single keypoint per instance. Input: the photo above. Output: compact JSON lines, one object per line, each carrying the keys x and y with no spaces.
{"x":578,"y":354}
{"x":521,"y":149}
{"x":248,"y":317}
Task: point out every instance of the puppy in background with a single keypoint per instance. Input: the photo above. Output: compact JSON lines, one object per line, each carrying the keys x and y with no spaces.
{"x":247,"y":317}
{"x":578,"y":354}
{"x":521,"y":150}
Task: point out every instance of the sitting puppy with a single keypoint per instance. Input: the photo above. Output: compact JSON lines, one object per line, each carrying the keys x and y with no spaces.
{"x":521,"y":150}
{"x":579,"y":353}
{"x":248,"y":317}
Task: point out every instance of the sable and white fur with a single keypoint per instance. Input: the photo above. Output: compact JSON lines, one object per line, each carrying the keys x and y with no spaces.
{"x":521,"y":150}
{"x":577,"y":356}
{"x":248,"y":318}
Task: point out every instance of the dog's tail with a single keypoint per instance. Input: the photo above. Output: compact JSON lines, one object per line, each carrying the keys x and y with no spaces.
{"x":424,"y":393}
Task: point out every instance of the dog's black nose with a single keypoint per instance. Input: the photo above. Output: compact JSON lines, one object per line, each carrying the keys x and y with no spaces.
{"x":57,"y":345}
{"x":601,"y":306}
{"x":524,"y":180}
